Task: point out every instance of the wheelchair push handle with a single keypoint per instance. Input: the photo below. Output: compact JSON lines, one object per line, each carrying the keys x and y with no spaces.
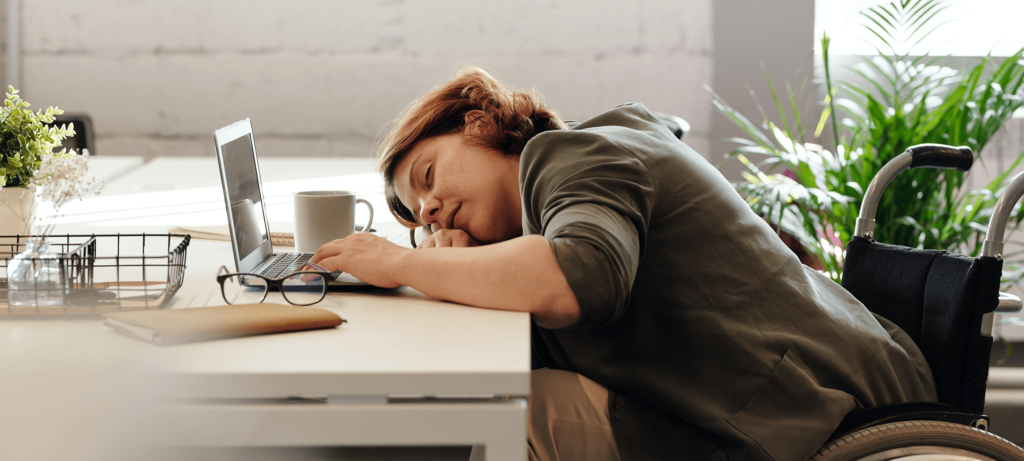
{"x":941,"y":156}
{"x":993,"y":245}
{"x":922,"y":155}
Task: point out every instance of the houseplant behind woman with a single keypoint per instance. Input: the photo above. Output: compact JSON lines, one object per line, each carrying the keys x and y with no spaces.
{"x":672,"y":321}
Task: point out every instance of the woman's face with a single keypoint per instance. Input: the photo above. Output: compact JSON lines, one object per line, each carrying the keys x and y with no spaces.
{"x":450,"y":183}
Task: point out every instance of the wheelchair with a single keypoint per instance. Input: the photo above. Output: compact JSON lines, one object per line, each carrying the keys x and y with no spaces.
{"x":946,"y":303}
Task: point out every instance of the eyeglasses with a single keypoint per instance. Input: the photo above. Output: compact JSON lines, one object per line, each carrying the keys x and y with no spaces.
{"x":301,"y":288}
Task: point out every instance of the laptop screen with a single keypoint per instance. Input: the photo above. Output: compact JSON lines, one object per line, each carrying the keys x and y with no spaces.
{"x":242,"y":186}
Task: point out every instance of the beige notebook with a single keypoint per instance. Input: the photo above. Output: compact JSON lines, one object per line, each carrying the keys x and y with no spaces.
{"x":173,"y":326}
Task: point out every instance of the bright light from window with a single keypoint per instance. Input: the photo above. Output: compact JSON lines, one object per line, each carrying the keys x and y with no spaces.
{"x":972,"y":28}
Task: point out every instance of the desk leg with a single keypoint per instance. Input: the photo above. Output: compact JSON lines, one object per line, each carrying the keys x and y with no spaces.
{"x":498,"y":426}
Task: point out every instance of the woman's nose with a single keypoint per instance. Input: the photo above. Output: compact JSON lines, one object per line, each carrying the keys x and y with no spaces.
{"x":430,"y":211}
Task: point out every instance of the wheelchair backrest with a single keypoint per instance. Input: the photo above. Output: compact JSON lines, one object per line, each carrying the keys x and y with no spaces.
{"x":938,"y":298}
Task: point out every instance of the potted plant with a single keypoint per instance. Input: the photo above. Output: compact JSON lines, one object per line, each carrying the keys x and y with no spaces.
{"x":26,"y":142}
{"x":812,"y":189}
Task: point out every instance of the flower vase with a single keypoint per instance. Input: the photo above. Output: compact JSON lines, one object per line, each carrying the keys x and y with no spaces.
{"x":17,"y":209}
{"x":34,"y":277}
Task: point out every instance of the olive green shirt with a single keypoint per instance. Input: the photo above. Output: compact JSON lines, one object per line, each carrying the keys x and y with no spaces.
{"x":704,"y":326}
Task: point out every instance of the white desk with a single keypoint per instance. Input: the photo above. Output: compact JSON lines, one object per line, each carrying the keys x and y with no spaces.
{"x":185,"y":191}
{"x":111,"y":168}
{"x":183,"y":173}
{"x":73,"y":389}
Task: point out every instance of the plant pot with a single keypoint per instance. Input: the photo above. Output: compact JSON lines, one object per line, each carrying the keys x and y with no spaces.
{"x":17,"y":210}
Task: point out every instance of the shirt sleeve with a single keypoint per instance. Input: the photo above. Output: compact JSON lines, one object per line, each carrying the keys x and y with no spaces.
{"x":592,"y":200}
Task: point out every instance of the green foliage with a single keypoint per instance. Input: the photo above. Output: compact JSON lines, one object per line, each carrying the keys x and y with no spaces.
{"x":25,"y":139}
{"x":897,"y":101}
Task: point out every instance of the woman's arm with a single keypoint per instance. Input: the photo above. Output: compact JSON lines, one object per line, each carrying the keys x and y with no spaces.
{"x":520,"y":274}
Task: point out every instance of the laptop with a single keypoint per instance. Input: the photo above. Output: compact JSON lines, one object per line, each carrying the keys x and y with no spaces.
{"x":248,"y":226}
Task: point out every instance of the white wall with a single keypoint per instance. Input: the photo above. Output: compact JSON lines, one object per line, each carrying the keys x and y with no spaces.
{"x":752,"y":38}
{"x":323,"y":77}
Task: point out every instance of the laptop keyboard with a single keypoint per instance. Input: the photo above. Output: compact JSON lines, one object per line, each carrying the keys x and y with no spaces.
{"x":284,"y":264}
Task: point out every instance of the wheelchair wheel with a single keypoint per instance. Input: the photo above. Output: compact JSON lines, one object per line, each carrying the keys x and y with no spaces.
{"x":920,"y":440}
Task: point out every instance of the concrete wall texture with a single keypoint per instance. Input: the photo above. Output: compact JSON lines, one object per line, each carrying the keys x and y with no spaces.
{"x":321,"y":78}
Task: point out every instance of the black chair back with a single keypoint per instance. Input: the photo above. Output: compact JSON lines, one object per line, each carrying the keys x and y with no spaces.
{"x":83,"y":138}
{"x":938,"y":298}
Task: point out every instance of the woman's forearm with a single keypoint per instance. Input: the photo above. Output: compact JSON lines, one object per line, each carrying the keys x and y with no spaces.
{"x":520,"y":274}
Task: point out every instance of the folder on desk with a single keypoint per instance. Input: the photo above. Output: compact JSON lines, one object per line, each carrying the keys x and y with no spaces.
{"x":174,"y":326}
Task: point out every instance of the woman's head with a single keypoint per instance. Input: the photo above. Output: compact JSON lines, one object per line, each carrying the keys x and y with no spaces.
{"x":451,"y":159}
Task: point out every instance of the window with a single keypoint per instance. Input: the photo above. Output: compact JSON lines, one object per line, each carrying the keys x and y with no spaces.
{"x":971,"y":28}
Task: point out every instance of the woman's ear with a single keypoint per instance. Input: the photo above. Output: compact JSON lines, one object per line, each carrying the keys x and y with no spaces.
{"x":472,"y":122}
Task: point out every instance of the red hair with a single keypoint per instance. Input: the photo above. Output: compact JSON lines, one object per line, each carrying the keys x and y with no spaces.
{"x":511,"y":117}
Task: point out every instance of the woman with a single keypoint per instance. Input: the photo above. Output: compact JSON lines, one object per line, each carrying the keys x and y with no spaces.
{"x":673,"y":321}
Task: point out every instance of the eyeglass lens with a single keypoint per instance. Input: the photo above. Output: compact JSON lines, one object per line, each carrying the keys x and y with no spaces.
{"x":304,"y":288}
{"x":244,"y":289}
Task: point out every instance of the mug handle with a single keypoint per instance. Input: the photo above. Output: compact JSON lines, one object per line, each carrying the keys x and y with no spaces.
{"x":366,"y":228}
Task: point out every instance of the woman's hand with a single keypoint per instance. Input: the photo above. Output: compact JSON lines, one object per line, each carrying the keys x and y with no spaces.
{"x":448,"y":238}
{"x":369,"y":258}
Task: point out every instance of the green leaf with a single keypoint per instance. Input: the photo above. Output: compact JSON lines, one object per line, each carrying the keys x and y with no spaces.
{"x":821,"y":121}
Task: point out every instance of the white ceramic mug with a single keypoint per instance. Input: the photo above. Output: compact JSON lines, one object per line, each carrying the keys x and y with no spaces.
{"x":323,"y":216}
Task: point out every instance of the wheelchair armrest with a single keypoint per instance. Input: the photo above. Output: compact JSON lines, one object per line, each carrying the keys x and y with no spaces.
{"x":1008,"y":304}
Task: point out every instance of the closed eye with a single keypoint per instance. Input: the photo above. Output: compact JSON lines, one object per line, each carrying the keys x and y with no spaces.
{"x":426,"y":176}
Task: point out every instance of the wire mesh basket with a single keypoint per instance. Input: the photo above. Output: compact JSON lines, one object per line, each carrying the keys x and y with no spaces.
{"x":93,"y":274}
